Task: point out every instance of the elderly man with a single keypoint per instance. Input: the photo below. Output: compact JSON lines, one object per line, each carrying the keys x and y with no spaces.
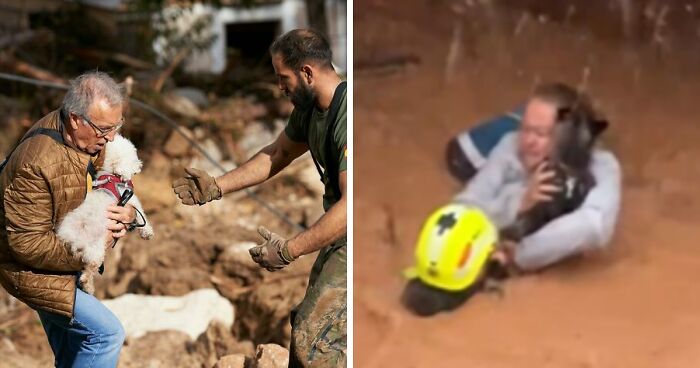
{"x":514,"y":179}
{"x":44,"y":178}
{"x":302,"y":62}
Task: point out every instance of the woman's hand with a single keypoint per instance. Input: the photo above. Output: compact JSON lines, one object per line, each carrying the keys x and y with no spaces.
{"x":539,"y":188}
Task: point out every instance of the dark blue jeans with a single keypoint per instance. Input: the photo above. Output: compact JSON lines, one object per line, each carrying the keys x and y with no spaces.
{"x":93,"y":338}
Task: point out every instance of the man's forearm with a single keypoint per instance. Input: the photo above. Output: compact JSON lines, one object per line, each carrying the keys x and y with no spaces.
{"x":264,"y":165}
{"x":329,"y":228}
{"x":254,"y":171}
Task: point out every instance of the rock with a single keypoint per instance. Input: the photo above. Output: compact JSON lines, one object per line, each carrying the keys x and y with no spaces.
{"x":6,"y":345}
{"x":13,"y":359}
{"x":212,"y":150}
{"x":202,"y":163}
{"x":313,"y":210}
{"x":218,"y":341}
{"x":177,"y":263}
{"x":235,"y":271}
{"x":174,"y":281}
{"x":8,"y":303}
{"x":246,"y":108}
{"x":231,"y":361}
{"x":181,"y":105}
{"x":115,"y":288}
{"x":272,"y":356}
{"x":231,"y":113}
{"x":195,"y":95}
{"x":245,"y":347}
{"x":257,"y":135}
{"x":13,"y":123}
{"x":265,"y":309}
{"x":176,"y":145}
{"x":215,"y":213}
{"x":163,"y":349}
{"x":191,"y":313}
{"x":23,"y":341}
{"x":154,"y":191}
{"x":235,"y":262}
{"x":157,"y":163}
{"x":24,"y":345}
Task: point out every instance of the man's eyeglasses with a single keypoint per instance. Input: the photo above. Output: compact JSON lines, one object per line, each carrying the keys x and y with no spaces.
{"x":101,"y":132}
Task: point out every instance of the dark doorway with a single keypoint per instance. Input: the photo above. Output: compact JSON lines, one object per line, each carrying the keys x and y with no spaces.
{"x":248,"y":43}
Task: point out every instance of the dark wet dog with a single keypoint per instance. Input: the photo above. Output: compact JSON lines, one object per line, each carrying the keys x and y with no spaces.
{"x":576,"y":133}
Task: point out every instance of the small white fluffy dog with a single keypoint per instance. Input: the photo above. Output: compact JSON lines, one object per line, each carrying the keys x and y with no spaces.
{"x":84,"y":229}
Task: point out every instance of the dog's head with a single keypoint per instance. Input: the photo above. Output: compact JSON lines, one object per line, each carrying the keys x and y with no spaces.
{"x":576,"y":131}
{"x":121,"y":158}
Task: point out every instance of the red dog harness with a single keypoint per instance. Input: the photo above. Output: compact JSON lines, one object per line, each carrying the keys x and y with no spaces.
{"x":112,"y":184}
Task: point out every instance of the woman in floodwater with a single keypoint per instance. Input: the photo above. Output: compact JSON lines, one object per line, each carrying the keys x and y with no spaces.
{"x":546,"y":187}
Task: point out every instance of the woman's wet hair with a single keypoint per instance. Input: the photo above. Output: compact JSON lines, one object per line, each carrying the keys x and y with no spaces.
{"x":562,"y":96}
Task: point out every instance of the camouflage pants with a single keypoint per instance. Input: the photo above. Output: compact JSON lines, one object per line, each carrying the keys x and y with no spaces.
{"x":319,"y":322}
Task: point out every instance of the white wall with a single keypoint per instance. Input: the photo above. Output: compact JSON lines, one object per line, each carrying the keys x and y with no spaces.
{"x":336,"y":16}
{"x":291,"y":14}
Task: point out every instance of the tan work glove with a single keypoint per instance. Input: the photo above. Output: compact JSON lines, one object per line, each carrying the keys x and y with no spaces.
{"x":197,"y":188}
{"x":273,"y":254}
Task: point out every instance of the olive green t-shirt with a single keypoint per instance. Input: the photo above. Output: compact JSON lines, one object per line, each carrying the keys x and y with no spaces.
{"x":313,"y":133}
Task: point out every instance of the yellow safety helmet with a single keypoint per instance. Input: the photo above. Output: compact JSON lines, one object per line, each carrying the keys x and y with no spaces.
{"x":453,"y":248}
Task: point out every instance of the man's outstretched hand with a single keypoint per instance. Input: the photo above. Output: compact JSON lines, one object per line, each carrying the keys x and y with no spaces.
{"x":273,"y":254}
{"x":197,"y":187}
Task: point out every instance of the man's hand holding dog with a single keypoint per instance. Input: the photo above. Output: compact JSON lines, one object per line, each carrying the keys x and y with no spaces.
{"x":118,"y":218}
{"x":273,"y":254}
{"x":197,"y":187}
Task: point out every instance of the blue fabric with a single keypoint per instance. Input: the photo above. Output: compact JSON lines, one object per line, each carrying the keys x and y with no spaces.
{"x":486,"y":135}
{"x":93,"y":338}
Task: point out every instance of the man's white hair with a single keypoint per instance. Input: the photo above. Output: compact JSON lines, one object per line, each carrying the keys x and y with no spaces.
{"x":87,"y":88}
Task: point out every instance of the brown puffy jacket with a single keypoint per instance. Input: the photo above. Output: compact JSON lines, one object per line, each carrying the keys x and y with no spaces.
{"x":42,"y":181}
